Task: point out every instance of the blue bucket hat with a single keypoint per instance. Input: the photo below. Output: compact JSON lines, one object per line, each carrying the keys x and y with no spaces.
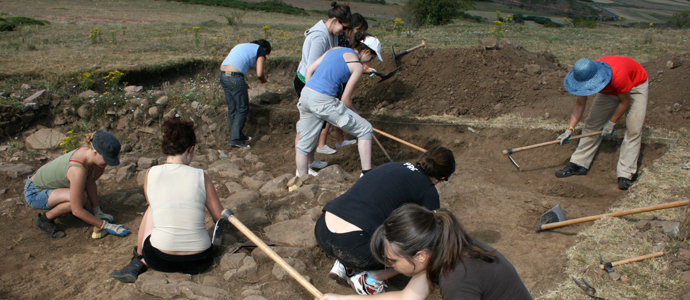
{"x":107,"y":145}
{"x":587,"y":77}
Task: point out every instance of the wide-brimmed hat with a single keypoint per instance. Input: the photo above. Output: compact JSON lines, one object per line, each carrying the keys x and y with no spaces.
{"x":373,"y":44}
{"x":107,"y":145}
{"x":587,"y":77}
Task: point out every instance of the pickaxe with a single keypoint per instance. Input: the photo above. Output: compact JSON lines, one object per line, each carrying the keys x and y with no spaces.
{"x":386,"y":76}
{"x":510,"y":151}
{"x":398,"y":55}
{"x":608,"y":266}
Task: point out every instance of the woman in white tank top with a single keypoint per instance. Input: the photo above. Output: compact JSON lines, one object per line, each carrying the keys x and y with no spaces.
{"x":172,"y":235}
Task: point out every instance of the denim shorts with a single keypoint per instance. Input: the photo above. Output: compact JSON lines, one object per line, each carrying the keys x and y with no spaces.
{"x":35,"y":197}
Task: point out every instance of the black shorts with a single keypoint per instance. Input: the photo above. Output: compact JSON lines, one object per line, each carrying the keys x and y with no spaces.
{"x":299,"y":85}
{"x":188,"y":264}
{"x":351,"y":248}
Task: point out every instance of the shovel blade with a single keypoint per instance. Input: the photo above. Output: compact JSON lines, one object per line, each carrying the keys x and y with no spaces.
{"x":553,"y":215}
{"x":217,"y":240}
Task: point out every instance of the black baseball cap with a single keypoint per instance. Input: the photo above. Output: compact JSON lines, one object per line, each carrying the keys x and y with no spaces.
{"x":107,"y":145}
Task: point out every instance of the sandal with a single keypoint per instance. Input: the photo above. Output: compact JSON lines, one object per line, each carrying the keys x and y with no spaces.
{"x":50,"y":228}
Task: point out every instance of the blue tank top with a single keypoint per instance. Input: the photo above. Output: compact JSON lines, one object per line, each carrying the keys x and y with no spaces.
{"x":332,"y":73}
{"x":243,"y":57}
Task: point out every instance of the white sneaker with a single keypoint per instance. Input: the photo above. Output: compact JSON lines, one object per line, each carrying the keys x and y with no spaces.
{"x":318,"y":165}
{"x":325,"y":150}
{"x":345,"y":143}
{"x":311,"y":172}
{"x":359,"y":283}
{"x":340,"y":273}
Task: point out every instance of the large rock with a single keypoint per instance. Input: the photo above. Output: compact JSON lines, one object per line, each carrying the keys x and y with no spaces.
{"x":334,"y":174}
{"x":277,"y":187}
{"x":233,"y":187}
{"x":197,"y":291}
{"x":252,"y":183}
{"x":251,"y":216}
{"x":44,"y":139}
{"x":242,"y":197}
{"x":248,"y":267}
{"x":231,"y":261}
{"x":87,"y":94}
{"x":125,"y":173}
{"x":37,"y":97}
{"x":144,"y":163}
{"x":16,"y":170}
{"x":295,"y":233}
{"x":309,"y":191}
{"x":232,"y":173}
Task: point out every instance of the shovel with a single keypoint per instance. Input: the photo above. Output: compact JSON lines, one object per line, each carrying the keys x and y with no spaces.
{"x":510,"y":151}
{"x":554,"y":218}
{"x":406,"y":143}
{"x":398,"y":55}
{"x":228,"y":216}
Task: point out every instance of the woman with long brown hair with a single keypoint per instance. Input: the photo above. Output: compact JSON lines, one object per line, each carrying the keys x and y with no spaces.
{"x":433,"y":248}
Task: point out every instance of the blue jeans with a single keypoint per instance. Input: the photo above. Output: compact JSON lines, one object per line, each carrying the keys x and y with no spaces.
{"x":35,"y":197}
{"x":238,"y":104}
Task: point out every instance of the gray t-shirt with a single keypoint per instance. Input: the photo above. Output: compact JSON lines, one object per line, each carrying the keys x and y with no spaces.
{"x":480,"y":280}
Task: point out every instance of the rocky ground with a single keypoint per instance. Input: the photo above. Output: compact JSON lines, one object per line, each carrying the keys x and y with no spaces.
{"x":496,"y":203}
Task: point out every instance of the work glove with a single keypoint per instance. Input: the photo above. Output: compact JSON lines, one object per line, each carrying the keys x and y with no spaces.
{"x":564,"y":137}
{"x":101,"y":215}
{"x":371,"y":71}
{"x":608,"y":128}
{"x":115,"y":229}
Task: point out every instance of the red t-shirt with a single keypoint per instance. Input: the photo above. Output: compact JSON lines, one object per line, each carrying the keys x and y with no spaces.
{"x":626,"y":74}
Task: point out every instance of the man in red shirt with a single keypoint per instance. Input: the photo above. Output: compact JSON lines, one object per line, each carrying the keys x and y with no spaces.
{"x":620,"y":85}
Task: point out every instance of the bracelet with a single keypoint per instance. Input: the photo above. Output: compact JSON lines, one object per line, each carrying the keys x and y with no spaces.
{"x":571,"y":128}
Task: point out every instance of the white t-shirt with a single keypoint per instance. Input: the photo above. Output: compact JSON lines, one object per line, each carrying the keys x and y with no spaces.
{"x":177,"y":196}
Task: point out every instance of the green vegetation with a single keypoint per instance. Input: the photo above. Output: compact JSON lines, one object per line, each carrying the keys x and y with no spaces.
{"x":436,"y":12}
{"x":11,"y":23}
{"x":681,"y":19}
{"x":267,"y":6}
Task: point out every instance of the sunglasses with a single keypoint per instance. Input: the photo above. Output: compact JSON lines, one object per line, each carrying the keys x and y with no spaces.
{"x":345,"y":27}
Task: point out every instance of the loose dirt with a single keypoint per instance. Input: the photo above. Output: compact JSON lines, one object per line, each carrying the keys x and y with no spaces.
{"x":497,"y":203}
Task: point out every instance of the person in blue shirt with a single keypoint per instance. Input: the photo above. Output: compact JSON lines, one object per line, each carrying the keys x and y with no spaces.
{"x":232,"y":72}
{"x":318,"y":101}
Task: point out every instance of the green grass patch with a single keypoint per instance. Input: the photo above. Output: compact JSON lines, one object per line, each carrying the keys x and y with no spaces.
{"x":277,"y":6}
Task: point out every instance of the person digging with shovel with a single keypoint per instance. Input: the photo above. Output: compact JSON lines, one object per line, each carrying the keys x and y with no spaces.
{"x":620,"y":85}
{"x":172,"y":235}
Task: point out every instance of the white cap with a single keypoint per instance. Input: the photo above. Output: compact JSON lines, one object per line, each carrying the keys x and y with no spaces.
{"x":373,"y":44}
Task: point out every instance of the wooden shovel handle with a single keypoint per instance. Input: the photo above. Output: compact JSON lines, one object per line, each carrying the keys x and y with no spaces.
{"x":615,"y":214}
{"x":273,"y":255}
{"x":572,"y":138}
{"x":400,"y":140}
{"x":634,"y":259}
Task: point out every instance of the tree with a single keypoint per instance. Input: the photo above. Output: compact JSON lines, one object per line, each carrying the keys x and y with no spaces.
{"x":681,"y":19}
{"x":436,"y":12}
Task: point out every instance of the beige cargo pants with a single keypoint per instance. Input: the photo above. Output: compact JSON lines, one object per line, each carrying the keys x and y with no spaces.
{"x":603,"y":108}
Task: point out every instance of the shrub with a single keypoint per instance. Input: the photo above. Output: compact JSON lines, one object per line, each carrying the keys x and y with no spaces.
{"x":585,"y":22}
{"x":680,"y":19}
{"x":466,"y":16}
{"x":436,"y":12}
{"x":9,"y":24}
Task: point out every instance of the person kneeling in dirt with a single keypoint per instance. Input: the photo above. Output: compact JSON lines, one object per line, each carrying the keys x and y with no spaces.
{"x":433,"y":248}
{"x":232,"y":72}
{"x":348,"y":222}
{"x":172,"y":235}
{"x":621,"y":84}
{"x":318,"y":102}
{"x":62,"y":185}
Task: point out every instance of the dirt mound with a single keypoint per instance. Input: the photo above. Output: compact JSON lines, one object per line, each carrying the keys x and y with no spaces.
{"x":489,"y":83}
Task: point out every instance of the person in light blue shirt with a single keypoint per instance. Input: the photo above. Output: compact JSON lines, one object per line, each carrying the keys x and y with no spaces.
{"x":232,"y":72}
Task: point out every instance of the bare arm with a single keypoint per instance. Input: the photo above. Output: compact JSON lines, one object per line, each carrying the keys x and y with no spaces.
{"x":77,"y":185}
{"x":212,"y":201}
{"x":416,"y":289}
{"x":92,"y":187}
{"x":260,"y":64}
{"x":622,"y":107}
{"x":312,"y":68}
{"x":578,"y":109}
{"x":355,"y":75}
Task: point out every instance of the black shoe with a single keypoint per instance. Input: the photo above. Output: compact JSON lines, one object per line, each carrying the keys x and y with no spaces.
{"x":50,"y":228}
{"x":624,"y":183}
{"x":570,"y":170}
{"x":129,"y":273}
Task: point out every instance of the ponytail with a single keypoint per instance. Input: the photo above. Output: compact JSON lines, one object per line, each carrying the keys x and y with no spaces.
{"x":437,"y":162}
{"x":89,"y":138}
{"x":413,"y":228}
{"x":340,"y":12}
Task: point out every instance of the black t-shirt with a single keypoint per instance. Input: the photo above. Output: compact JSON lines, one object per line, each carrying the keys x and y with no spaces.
{"x":374,"y":196}
{"x":480,"y":280}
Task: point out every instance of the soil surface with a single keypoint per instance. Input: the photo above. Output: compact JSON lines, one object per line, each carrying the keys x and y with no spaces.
{"x":496,"y":203}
